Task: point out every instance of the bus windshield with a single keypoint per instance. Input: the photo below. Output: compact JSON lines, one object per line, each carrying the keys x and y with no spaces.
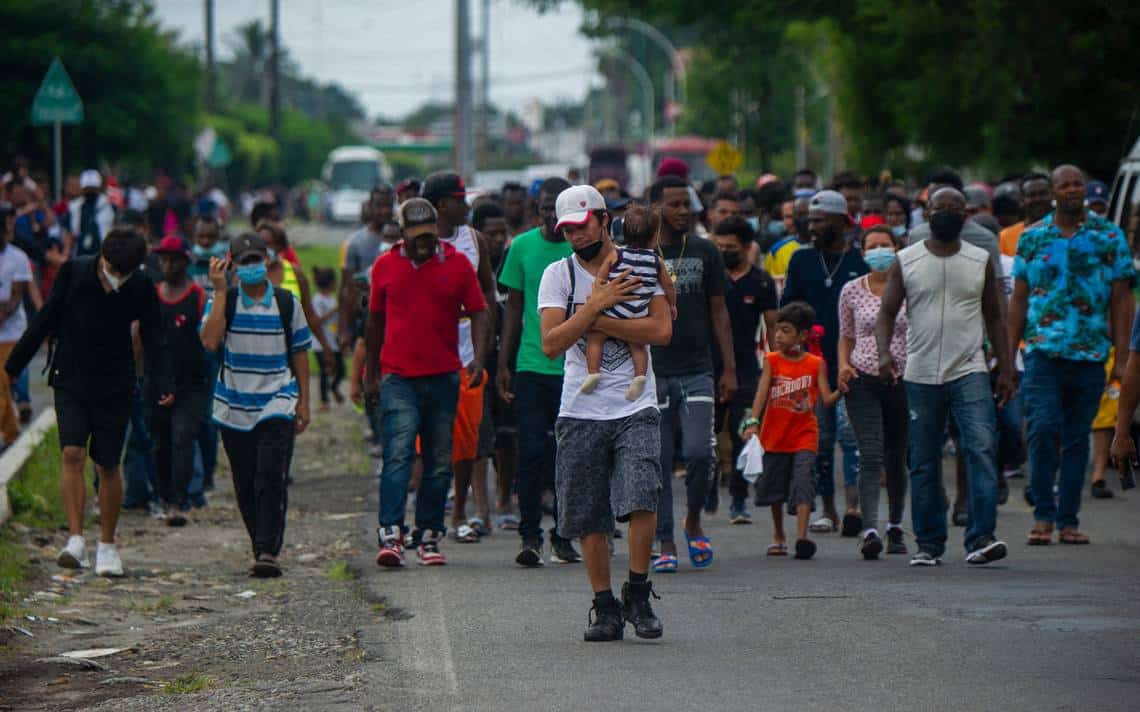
{"x":355,"y":175}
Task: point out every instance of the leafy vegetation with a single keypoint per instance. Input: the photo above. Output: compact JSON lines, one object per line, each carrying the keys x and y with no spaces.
{"x":35,"y":493}
{"x":184,"y":684}
{"x":341,"y":571}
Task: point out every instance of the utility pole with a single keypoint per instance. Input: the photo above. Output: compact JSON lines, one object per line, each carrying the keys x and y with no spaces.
{"x":464,"y":154}
{"x":485,"y":86}
{"x":274,"y":69}
{"x":211,"y":96}
{"x":801,"y":127}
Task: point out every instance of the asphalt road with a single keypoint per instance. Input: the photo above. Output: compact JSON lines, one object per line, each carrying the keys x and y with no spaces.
{"x":1050,"y":628}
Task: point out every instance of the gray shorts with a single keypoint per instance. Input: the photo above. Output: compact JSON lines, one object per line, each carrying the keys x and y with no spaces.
{"x":788,"y":477}
{"x":606,"y":469}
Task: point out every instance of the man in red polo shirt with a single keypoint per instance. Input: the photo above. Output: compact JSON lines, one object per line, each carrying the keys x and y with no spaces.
{"x":420,"y":290}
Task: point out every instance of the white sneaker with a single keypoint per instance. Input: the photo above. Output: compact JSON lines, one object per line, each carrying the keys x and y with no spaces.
{"x":74,"y":555}
{"x":107,"y":562}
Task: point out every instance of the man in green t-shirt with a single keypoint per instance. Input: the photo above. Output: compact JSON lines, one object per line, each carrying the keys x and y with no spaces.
{"x":537,"y":391}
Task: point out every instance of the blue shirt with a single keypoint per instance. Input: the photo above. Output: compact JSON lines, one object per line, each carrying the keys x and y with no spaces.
{"x":1070,"y":286}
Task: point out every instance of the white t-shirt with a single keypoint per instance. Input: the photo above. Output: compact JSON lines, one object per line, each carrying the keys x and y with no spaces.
{"x":607,"y":402}
{"x":14,"y":267}
{"x":323,"y":304}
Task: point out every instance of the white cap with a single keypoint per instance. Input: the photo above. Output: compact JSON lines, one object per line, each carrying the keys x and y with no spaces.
{"x":575,"y":204}
{"x":90,"y":178}
{"x":830,"y":202}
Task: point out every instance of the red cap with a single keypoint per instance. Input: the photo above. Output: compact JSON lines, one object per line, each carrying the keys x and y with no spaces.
{"x":870,"y":221}
{"x":671,"y":166}
{"x":173,"y":245}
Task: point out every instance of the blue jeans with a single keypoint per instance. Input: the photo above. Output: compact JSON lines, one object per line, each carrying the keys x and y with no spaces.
{"x":140,"y":473}
{"x":832,"y":427}
{"x":969,"y":400}
{"x":20,"y":388}
{"x":207,"y":440}
{"x":1061,"y":400}
{"x":409,"y":407}
{"x":686,"y":402}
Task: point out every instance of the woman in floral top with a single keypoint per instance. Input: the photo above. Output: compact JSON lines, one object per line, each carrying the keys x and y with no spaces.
{"x":877,"y":408}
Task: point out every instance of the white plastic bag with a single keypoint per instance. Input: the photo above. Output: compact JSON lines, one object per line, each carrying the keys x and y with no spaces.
{"x":751,"y":460}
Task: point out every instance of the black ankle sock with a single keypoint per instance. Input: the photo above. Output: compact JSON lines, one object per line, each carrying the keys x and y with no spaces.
{"x":635,"y":577}
{"x":604,"y":598}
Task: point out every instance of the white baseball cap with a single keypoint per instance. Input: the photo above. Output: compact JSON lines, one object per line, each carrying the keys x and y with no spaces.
{"x":90,"y":178}
{"x":830,"y":202}
{"x":575,"y":204}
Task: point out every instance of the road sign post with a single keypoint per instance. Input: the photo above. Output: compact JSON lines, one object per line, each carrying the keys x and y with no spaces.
{"x":57,"y":103}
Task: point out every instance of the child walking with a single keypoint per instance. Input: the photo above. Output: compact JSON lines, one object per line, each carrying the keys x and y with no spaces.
{"x":325,"y":307}
{"x":639,"y":258}
{"x":784,"y":413}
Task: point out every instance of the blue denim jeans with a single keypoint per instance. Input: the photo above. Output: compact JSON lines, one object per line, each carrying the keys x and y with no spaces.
{"x":845,"y":434}
{"x":686,"y":402}
{"x":409,"y":407}
{"x":1061,"y":400}
{"x":207,"y":441}
{"x":969,"y":400}
{"x":140,"y":473}
{"x":831,"y":428}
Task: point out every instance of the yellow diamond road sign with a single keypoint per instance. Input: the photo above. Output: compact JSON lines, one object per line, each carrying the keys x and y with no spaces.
{"x":57,"y":99}
{"x":724,"y":159}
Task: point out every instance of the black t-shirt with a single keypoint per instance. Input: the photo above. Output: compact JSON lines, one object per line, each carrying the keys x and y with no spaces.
{"x":699,"y":271}
{"x":180,"y":322}
{"x":746,"y":300}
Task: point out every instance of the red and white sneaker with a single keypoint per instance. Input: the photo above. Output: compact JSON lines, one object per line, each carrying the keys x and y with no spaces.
{"x":428,"y":551}
{"x":391,"y":554}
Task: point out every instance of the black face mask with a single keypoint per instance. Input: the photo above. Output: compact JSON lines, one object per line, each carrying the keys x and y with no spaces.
{"x":732,"y":259}
{"x":828,"y":238}
{"x":588,"y":252}
{"x":946,"y":226}
{"x":802,"y":228}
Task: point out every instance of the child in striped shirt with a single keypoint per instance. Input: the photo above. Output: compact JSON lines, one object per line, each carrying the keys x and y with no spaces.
{"x":639,"y":257}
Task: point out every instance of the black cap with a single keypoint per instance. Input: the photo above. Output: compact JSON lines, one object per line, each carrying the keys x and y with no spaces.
{"x":245,"y":244}
{"x":440,"y":185}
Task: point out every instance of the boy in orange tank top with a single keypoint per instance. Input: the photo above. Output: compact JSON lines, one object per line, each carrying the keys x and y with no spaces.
{"x":783,"y":415}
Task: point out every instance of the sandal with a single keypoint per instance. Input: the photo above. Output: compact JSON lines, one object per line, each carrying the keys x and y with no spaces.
{"x":464,"y":534}
{"x":852,"y":524}
{"x":700,"y":550}
{"x":1041,"y":535}
{"x":665,"y":564}
{"x":778,"y":549}
{"x":479,"y":526}
{"x":1072,"y":536}
{"x":507,"y":521}
{"x":823,"y":525}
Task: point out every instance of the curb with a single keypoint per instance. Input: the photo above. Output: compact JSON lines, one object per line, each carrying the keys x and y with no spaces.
{"x":13,"y":459}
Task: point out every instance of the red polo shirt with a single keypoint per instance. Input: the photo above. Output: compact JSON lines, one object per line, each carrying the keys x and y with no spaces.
{"x":421,"y":306}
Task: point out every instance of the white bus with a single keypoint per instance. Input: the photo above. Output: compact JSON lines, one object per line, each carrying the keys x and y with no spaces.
{"x":350,"y":173}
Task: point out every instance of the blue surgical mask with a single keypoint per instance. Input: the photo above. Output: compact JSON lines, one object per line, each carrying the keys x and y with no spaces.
{"x":754,"y":223}
{"x":879,"y":259}
{"x":251,"y":274}
{"x":776,"y":228}
{"x":899,"y":230}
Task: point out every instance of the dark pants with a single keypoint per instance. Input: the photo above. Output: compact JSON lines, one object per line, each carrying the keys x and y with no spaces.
{"x":538,"y":397}
{"x":259,"y":459}
{"x":878,"y":415}
{"x":423,"y":406}
{"x":728,"y":417}
{"x":139,"y":473}
{"x":686,"y":403}
{"x":1061,"y":399}
{"x":330,"y":380}
{"x":175,"y":430}
{"x":208,"y":430}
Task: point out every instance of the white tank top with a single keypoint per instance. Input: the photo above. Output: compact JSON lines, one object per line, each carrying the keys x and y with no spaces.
{"x":465,"y":244}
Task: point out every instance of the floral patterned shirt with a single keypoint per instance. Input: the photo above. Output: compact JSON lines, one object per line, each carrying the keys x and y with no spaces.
{"x":1070,"y":286}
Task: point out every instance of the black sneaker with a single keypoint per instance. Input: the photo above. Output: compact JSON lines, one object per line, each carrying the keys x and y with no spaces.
{"x":895,"y":542}
{"x":636,"y":608}
{"x":852,"y":524}
{"x":605,"y":623}
{"x":562,"y":551}
{"x":1100,"y":490}
{"x":530,"y":554}
{"x":987,"y":551}
{"x":872,"y":546}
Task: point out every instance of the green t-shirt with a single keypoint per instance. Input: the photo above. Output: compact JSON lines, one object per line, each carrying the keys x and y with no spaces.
{"x":528,"y":257}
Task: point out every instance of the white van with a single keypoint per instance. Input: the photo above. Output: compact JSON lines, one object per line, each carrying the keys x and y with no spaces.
{"x":1126,"y":191}
{"x":351,"y":172}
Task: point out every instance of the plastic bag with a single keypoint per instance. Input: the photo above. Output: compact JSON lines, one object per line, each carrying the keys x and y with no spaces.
{"x":751,"y":460}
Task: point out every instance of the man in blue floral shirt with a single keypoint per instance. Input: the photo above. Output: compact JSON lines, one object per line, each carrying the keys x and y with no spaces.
{"x":1071,"y":301}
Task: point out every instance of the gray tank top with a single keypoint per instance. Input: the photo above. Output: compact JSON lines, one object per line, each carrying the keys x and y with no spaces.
{"x":944,"y":312}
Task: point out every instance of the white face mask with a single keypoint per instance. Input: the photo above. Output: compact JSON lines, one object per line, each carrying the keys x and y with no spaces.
{"x":112,"y":280}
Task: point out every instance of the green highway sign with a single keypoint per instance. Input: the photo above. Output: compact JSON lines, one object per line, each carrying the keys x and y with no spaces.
{"x":57,"y":101}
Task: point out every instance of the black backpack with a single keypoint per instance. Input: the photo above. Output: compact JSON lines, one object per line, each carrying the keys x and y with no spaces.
{"x":285,"y":304}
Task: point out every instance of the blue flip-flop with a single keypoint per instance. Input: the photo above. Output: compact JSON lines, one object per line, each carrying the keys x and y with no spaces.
{"x":700,"y":551}
{"x":664,"y":564}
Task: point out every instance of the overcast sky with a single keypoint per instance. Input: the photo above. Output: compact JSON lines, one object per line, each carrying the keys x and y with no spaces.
{"x":395,"y":55}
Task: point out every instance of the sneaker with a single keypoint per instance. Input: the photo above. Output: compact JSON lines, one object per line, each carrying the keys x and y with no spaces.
{"x":265,"y":566}
{"x":605,"y":623}
{"x":923,"y":558}
{"x":987,"y":551}
{"x":391,"y":554}
{"x":428,"y":551}
{"x":896,"y":544}
{"x":737,"y":514}
{"x":107,"y":562}
{"x":872,"y":545}
{"x":530,"y":554}
{"x":1100,"y":490}
{"x":156,"y":512}
{"x":636,"y":608}
{"x":562,"y":551}
{"x":74,"y":555}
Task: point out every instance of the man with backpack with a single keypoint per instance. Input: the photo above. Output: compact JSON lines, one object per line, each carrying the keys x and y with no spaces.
{"x":261,"y":397}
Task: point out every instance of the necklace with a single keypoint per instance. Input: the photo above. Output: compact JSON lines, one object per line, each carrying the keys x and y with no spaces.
{"x":672,"y":269}
{"x":830,"y":273}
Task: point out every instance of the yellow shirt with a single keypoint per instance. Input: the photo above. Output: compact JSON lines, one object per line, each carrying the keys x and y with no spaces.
{"x":776,"y":261}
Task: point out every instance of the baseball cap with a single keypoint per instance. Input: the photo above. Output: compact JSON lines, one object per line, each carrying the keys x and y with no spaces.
{"x":671,"y":166}
{"x":575,"y":204}
{"x":246,"y":244}
{"x":766,"y":179}
{"x":1096,"y":192}
{"x":173,"y":245}
{"x":90,"y":178}
{"x":417,"y":216}
{"x":830,"y":202}
{"x":440,"y":185}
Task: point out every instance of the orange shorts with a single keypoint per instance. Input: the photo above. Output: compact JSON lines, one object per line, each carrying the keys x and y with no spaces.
{"x":468,"y":418}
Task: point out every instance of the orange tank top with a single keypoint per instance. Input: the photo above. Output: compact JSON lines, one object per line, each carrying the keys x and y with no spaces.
{"x":789,"y":416}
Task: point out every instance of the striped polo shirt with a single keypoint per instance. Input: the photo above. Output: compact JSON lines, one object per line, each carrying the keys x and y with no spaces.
{"x":256,"y":383}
